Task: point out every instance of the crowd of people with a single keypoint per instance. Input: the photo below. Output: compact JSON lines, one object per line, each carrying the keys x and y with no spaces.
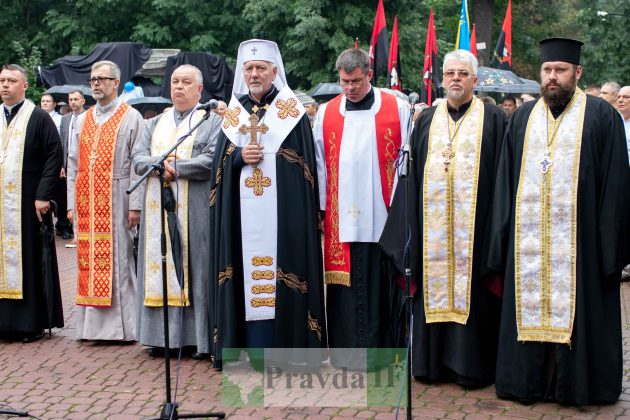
{"x":509,"y":221}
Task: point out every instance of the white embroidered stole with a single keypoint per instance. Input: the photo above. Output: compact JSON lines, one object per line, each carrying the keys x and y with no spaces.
{"x":13,"y":138}
{"x":166,"y":133}
{"x":450,"y":201}
{"x":259,"y":199}
{"x":546,"y":223}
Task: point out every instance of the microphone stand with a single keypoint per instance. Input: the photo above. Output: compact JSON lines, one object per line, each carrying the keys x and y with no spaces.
{"x":406,"y":159}
{"x":169,"y":410}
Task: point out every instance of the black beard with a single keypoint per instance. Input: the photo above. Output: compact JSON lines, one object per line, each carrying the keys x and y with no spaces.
{"x":561,"y":96}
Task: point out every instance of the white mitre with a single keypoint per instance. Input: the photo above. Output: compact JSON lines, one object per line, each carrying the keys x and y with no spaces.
{"x":257,"y":49}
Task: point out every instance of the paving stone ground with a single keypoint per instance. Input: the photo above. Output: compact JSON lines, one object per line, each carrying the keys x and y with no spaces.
{"x":61,"y":378}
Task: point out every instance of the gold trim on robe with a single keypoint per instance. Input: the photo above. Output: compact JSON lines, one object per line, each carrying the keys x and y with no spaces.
{"x":166,"y":133}
{"x":13,"y":139}
{"x":450,"y":202}
{"x":546,"y":224}
{"x":93,"y":208}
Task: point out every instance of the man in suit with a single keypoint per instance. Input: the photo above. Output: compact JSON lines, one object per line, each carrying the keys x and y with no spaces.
{"x":68,"y":132}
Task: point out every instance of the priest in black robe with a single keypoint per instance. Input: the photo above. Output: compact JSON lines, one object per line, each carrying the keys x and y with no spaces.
{"x":454,"y":154}
{"x":266,"y":260}
{"x":30,"y":157}
{"x":560,"y":237}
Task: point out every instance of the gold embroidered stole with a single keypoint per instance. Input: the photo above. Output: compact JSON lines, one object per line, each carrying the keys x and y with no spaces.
{"x":546,"y":223}
{"x":166,"y":133}
{"x":450,"y":200}
{"x":13,"y":138}
{"x":97,"y":147}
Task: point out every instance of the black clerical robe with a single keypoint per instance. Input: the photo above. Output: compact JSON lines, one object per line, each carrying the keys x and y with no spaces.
{"x":299,"y":304}
{"x":43,"y":158}
{"x":463,"y":353}
{"x":589,"y":370}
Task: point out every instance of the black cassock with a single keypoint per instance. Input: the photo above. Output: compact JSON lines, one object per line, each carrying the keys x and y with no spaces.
{"x":368,"y":313}
{"x":299,"y":313}
{"x":43,"y":158}
{"x":449,"y":351}
{"x":589,"y":371}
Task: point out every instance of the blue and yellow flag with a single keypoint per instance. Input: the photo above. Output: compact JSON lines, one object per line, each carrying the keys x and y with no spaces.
{"x":463,"y":31}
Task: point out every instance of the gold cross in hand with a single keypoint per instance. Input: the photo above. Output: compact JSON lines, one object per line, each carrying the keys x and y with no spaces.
{"x":253,"y":128}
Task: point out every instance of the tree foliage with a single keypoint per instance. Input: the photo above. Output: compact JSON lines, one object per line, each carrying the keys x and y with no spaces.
{"x":310,"y":33}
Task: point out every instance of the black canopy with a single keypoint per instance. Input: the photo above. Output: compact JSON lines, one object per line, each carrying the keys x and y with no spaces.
{"x":75,"y":69}
{"x":217,"y":75}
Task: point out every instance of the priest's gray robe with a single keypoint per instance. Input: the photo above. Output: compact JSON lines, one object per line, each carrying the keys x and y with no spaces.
{"x":197,"y":169}
{"x":117,"y":322}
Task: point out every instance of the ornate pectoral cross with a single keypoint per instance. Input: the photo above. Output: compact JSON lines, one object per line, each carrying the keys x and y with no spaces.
{"x":447,"y":155}
{"x":546,"y":162}
{"x":256,"y":108}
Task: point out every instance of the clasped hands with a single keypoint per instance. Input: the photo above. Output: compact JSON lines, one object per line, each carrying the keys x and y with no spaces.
{"x":170,"y":174}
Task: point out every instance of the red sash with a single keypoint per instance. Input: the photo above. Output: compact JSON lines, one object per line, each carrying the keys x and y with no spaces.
{"x":388,"y":139}
{"x":93,"y":208}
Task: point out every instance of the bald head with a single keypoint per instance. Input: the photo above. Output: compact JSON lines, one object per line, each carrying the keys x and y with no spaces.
{"x":623,"y":102}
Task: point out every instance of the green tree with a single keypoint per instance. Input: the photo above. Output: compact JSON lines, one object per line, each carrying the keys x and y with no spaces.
{"x":311,"y":33}
{"x":605,"y":54}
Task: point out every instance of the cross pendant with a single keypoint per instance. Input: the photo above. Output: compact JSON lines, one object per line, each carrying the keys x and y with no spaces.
{"x":447,"y":155}
{"x":546,"y":162}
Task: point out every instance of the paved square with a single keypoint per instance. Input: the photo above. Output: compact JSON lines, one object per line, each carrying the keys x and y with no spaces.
{"x":61,"y":378}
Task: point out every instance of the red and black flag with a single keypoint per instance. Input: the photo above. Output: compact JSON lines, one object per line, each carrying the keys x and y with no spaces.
{"x":502,"y":58}
{"x":394,"y":75}
{"x":473,"y":41}
{"x":378,"y":44}
{"x":431,"y":71}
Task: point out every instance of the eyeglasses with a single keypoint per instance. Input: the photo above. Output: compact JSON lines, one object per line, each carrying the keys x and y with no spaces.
{"x":463,"y":74}
{"x":99,"y":80}
{"x":349,"y":83}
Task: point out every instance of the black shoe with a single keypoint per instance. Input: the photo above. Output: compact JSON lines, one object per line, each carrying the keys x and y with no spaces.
{"x":67,"y":235}
{"x":200,"y":356}
{"x":31,"y":337}
{"x":155,"y":351}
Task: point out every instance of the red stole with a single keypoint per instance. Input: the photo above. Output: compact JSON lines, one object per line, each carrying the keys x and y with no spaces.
{"x":93,"y":208}
{"x":388,"y":140}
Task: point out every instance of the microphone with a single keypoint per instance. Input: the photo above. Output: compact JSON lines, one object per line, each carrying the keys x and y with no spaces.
{"x":211,"y":104}
{"x":413,"y":98}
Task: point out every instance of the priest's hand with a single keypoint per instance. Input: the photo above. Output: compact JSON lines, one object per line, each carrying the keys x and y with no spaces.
{"x":41,"y":208}
{"x":133,"y":218}
{"x":252,"y":154}
{"x":170,"y":174}
{"x":70,"y":215}
{"x":62,"y":174}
